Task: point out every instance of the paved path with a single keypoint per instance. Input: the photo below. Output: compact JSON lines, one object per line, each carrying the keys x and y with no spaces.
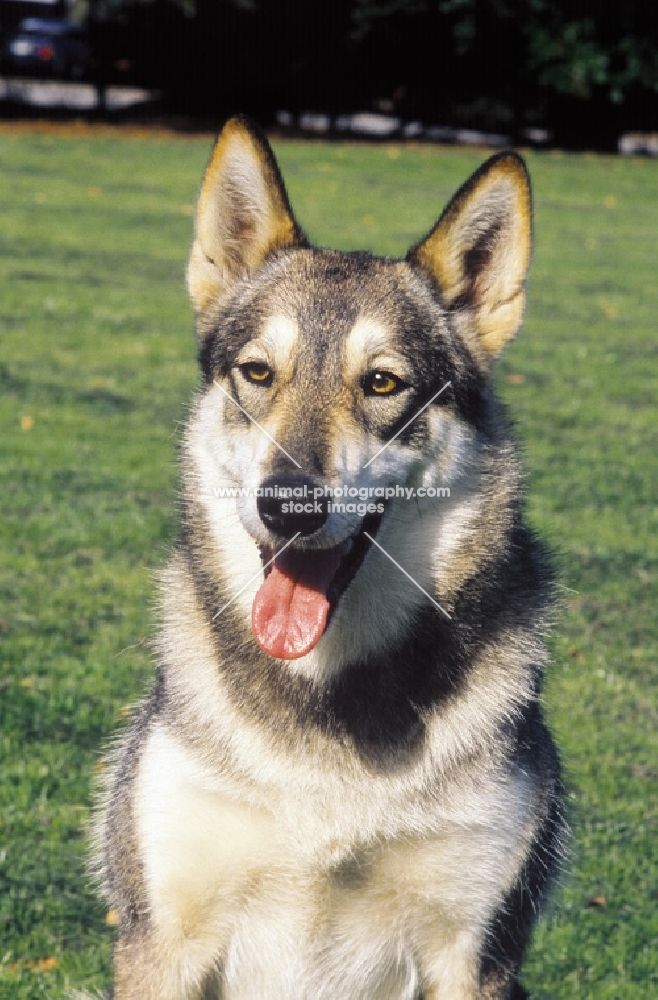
{"x":76,"y":96}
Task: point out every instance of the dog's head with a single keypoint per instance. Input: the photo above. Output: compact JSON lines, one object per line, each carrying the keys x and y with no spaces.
{"x":333,"y":379}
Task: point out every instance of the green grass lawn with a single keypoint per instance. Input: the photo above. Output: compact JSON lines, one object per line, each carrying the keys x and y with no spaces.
{"x":97,"y":364}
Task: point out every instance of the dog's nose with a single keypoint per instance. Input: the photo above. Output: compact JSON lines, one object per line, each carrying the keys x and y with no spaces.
{"x":290,"y":504}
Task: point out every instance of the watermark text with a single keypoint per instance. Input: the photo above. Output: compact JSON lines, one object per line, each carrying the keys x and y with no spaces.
{"x":306,"y":492}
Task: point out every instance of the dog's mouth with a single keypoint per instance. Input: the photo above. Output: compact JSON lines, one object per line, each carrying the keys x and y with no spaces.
{"x":301,"y":591}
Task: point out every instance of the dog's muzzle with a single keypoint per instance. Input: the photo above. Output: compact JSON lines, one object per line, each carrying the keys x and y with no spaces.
{"x":287,"y":506}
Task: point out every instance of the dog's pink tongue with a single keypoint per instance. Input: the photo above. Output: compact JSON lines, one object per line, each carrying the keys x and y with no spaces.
{"x":289,"y":613}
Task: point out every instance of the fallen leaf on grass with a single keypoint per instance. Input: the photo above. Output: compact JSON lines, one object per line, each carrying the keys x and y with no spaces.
{"x":38,"y":965}
{"x":45,"y":964}
{"x":515,"y":379}
{"x":27,"y":423}
{"x":598,"y":902}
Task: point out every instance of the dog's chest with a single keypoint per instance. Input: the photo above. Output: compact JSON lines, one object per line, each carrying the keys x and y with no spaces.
{"x":302,"y":902}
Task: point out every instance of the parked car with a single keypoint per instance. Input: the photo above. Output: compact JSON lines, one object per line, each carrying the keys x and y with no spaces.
{"x":48,"y":47}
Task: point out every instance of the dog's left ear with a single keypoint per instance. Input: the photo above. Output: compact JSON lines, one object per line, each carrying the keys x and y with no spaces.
{"x":479,"y":251}
{"x":242,"y":216}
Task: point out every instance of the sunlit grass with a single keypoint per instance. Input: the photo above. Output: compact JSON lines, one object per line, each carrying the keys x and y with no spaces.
{"x":96,"y":368}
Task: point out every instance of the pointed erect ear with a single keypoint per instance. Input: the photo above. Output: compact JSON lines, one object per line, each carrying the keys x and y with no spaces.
{"x":243,"y":214}
{"x":478,"y":254}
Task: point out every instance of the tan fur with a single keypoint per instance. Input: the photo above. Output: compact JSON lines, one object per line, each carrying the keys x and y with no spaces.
{"x":369,"y":343}
{"x":276,"y":346}
{"x":241,"y":217}
{"x":498,"y":204}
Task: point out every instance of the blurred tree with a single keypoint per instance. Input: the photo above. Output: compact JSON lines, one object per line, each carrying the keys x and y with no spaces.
{"x":581,"y":68}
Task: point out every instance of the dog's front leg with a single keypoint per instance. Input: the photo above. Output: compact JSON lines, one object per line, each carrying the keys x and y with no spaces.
{"x":455,"y":974}
{"x":450,"y":971}
{"x":146,"y":968}
{"x":184,"y":861}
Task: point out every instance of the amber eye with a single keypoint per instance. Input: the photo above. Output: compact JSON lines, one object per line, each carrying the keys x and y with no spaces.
{"x":257,"y":372}
{"x":382,"y":384}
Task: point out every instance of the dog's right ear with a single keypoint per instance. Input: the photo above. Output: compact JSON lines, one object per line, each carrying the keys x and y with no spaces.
{"x":478,"y":254}
{"x":242,"y":216}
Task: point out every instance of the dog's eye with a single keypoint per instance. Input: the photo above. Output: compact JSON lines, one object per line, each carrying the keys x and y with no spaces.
{"x":382,"y":384}
{"x":257,"y":372}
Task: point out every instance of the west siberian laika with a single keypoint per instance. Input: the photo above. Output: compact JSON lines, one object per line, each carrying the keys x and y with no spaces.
{"x":341,"y":786}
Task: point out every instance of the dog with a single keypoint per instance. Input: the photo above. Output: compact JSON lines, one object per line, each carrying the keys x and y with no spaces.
{"x":341,"y":786}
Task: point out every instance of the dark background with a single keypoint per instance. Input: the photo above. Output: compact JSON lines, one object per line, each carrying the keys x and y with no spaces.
{"x":585,"y":70}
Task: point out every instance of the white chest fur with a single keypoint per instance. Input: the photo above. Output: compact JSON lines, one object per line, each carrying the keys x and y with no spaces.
{"x":288,"y":914}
